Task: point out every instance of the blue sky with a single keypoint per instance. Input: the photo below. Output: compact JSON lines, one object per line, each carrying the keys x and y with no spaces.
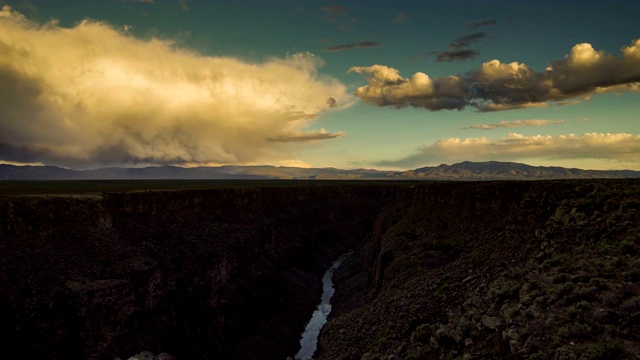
{"x":346,"y":84}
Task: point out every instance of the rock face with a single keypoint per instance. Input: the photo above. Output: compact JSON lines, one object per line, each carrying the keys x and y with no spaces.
{"x":440,"y":270}
{"x":211,"y":274}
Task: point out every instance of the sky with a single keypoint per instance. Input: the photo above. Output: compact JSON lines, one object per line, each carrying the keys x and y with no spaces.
{"x":371,"y":84}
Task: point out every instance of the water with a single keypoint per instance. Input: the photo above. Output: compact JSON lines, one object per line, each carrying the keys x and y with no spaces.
{"x":309,"y":341}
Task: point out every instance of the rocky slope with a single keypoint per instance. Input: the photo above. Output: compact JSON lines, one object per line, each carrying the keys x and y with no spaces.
{"x":513,"y":270}
{"x":540,"y":270}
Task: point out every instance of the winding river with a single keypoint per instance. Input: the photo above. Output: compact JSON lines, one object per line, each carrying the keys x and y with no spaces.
{"x":309,"y":341}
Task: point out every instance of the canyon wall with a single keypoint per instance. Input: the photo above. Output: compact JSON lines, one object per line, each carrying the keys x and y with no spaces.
{"x":506,"y":270}
{"x":490,"y":269}
{"x":227,"y":273}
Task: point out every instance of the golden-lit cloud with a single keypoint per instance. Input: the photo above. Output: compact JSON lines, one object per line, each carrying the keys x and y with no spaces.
{"x":501,"y":86}
{"x":92,"y":95}
{"x":614,"y":147}
{"x":311,"y":135}
{"x":514,"y":123}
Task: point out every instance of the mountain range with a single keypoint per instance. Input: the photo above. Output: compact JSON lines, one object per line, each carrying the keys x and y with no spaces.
{"x":491,"y":170}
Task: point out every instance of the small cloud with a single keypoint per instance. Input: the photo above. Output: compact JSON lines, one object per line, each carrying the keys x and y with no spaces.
{"x":458,"y":52}
{"x":307,"y":136}
{"x":478,"y":24}
{"x":183,"y":4}
{"x":335,"y":9}
{"x":400,"y":18}
{"x":356,"y":45}
{"x":514,"y":123}
{"x":331,"y":102}
{"x":334,"y":12}
{"x":467,"y":40}
{"x":456,"y":55}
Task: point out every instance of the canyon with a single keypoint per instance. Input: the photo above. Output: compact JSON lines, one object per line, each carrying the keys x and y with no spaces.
{"x":500,"y":269}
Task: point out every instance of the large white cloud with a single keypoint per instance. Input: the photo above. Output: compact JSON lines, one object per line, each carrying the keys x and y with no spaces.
{"x":91,"y":94}
{"x":501,"y":86}
{"x":612,"y":147}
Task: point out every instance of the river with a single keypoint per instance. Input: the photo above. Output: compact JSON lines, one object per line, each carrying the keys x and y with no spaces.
{"x":309,"y":340}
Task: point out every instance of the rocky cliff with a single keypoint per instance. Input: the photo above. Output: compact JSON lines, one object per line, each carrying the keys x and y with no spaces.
{"x":227,"y":273}
{"x":543,"y":269}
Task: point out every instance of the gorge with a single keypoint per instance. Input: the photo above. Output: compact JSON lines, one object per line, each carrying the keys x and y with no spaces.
{"x":510,"y":269}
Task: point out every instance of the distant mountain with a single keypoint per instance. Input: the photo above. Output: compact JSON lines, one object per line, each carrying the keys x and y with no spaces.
{"x":496,"y":170}
{"x":491,"y":170}
{"x":12,"y":172}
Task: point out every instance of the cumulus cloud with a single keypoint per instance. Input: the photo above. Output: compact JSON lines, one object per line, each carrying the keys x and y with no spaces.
{"x":515,"y":123}
{"x":93,"y":95}
{"x":388,"y":88}
{"x":516,"y":147}
{"x":356,"y":45}
{"x":502,"y":86}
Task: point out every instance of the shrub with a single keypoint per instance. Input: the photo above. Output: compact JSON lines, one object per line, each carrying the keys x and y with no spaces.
{"x":508,"y":290}
{"x":533,"y":285}
{"x":632,"y":275}
{"x":628,"y":246}
{"x":561,"y":278}
{"x":565,"y":290}
{"x":560,"y":336}
{"x":608,"y":349}
{"x":598,"y":282}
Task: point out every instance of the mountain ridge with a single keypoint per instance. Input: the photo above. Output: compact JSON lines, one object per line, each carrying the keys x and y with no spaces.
{"x":465,"y":171}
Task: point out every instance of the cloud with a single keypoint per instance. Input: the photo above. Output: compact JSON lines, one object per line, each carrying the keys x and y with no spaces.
{"x":93,"y":95}
{"x":308,"y":136}
{"x":501,"y":86}
{"x":478,"y":24}
{"x":400,"y":18}
{"x":184,"y":6}
{"x":334,"y":12}
{"x":294,"y":163}
{"x":335,"y":9}
{"x":620,"y":147}
{"x":515,"y":123}
{"x":356,"y":45}
{"x":8,"y":12}
{"x":467,"y":40}
{"x":387,"y":88}
{"x":456,"y":55}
